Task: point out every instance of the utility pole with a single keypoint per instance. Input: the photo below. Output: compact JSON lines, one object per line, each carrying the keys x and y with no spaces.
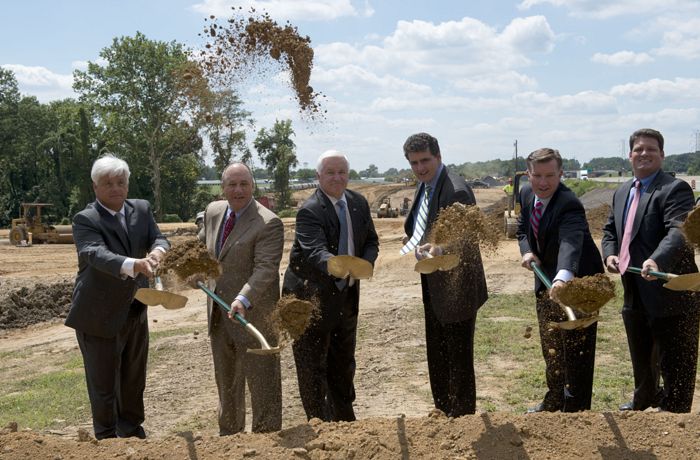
{"x":515,"y":157}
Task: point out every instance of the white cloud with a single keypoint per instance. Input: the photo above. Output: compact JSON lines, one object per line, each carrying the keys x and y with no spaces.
{"x":41,"y":82}
{"x":681,"y":38}
{"x":658,"y":89}
{"x":507,"y":83}
{"x":305,"y":10}
{"x":605,"y":9}
{"x":622,"y":58}
{"x":351,"y":77}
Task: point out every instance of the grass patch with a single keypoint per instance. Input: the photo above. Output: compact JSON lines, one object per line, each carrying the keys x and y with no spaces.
{"x":581,"y":187}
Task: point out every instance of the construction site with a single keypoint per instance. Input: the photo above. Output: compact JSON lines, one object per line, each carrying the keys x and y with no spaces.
{"x":394,"y":405}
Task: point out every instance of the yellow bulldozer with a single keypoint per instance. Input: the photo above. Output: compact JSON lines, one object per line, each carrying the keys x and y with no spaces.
{"x":29,"y":228}
{"x":385,"y":209}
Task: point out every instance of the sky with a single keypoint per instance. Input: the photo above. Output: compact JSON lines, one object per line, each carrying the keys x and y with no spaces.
{"x":576,"y":75}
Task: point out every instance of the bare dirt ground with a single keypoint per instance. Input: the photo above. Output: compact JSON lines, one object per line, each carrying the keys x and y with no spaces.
{"x":393,"y":403}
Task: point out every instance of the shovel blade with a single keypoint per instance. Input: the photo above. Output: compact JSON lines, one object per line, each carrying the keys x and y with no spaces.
{"x":580,"y":323}
{"x":167,"y":299}
{"x":689,"y":282}
{"x":265,"y":351}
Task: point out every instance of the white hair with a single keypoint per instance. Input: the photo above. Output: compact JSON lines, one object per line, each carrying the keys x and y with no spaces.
{"x":330,"y":154}
{"x":109,"y":165}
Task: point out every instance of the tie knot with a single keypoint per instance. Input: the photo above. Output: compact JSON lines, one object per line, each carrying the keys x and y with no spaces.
{"x":637,"y":184}
{"x":538,"y":204}
{"x":341,"y":204}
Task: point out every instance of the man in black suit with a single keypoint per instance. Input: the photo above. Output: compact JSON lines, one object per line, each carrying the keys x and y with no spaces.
{"x":553,"y":233}
{"x":450,"y":299}
{"x":119,"y":246}
{"x":643,"y":230}
{"x":325,"y":353}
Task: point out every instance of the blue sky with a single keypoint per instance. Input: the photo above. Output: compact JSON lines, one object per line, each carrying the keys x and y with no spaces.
{"x":576,"y":75}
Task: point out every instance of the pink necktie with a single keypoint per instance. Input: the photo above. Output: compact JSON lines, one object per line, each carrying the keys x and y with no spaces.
{"x":535,"y":217}
{"x":228,"y":227}
{"x":624,"y":260}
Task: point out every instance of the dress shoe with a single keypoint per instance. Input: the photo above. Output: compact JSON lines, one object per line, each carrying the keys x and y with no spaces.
{"x":537,"y":408}
{"x":627,"y":406}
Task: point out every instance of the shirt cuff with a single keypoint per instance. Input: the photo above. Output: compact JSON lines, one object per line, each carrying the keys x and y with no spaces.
{"x":564,"y":275}
{"x":244,"y":300}
{"x":160,"y":248}
{"x":127,"y":268}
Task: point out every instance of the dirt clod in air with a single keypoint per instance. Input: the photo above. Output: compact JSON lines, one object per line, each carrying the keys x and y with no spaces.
{"x":458,"y":222}
{"x":254,"y":46}
{"x":691,"y":227}
{"x":294,"y":315}
{"x":588,"y":294}
{"x":190,"y":258}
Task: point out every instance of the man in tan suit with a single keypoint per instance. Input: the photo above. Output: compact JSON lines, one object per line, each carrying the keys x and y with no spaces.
{"x":247,"y":240}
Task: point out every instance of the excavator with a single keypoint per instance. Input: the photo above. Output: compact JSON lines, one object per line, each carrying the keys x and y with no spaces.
{"x":29,"y":228}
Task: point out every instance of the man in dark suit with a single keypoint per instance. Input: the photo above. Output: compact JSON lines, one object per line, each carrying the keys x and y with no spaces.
{"x":119,"y":245}
{"x":325,"y":353}
{"x":450,"y":299}
{"x":553,"y":233}
{"x":643,"y":230}
{"x":247,"y":240}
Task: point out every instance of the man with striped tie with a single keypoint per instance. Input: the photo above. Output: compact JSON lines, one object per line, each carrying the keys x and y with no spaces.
{"x":554,"y":234}
{"x":450,"y":299}
{"x":643,"y":230}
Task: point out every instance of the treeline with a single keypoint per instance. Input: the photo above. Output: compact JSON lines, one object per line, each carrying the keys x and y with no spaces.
{"x":148,"y":103}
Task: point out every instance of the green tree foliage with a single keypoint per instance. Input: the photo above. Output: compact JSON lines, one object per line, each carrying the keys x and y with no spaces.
{"x":305,"y":174}
{"x":225,"y":129}
{"x":608,"y":164}
{"x":151,"y":101}
{"x":277,"y":151}
{"x":371,"y":171}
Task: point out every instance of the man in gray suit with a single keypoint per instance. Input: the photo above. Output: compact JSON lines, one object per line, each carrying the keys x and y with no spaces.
{"x":247,"y":240}
{"x":119,"y":246}
{"x":450,"y":299}
{"x":643,"y":230}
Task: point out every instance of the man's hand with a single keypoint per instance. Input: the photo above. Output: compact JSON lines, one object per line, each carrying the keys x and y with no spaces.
{"x":144,"y":266}
{"x":427,"y":250}
{"x":236,"y":307}
{"x":557,"y":286}
{"x":649,"y":264}
{"x":155,"y":256}
{"x":527,"y":259}
{"x":612,"y":264}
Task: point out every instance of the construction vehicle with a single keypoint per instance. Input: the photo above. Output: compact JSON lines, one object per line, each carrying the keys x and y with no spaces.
{"x":510,"y":216}
{"x":29,"y":228}
{"x":385,"y":209}
{"x":405,"y":206}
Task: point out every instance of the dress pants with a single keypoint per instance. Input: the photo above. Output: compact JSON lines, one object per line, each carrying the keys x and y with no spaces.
{"x":325,"y":361}
{"x":450,"y":353}
{"x":115,"y":371}
{"x":569,"y":357}
{"x":668,"y":346}
{"x":233,"y":366}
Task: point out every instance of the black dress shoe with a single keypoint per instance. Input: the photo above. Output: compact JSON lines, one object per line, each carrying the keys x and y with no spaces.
{"x":537,"y":408}
{"x":627,"y":406}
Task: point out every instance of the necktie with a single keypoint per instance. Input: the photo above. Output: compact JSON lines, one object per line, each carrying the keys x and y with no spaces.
{"x":122,"y":222}
{"x":343,"y":239}
{"x":228,"y":227}
{"x":536,"y":216}
{"x":624,"y":260}
{"x":420,"y":224}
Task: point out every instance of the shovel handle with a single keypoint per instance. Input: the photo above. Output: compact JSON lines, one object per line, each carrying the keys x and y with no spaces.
{"x":158,"y":283}
{"x":222,"y":303}
{"x":540,"y":274}
{"x":662,"y":275}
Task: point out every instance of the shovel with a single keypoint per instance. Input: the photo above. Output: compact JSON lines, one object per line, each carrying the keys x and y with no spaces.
{"x":266,"y":348}
{"x":434,"y":263}
{"x":158,"y":296}
{"x":573,"y":322}
{"x":689,"y":282}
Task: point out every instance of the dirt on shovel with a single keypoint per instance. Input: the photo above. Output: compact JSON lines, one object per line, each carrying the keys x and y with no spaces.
{"x":190,"y":259}
{"x":294,"y":315}
{"x":587,"y":294}
{"x":691,"y":227}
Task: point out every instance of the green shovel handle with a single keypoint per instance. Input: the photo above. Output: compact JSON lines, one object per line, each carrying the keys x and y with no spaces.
{"x":638,"y":271}
{"x":221,"y":303}
{"x":540,"y":274}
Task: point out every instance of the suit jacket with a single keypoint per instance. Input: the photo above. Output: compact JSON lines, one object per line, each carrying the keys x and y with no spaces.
{"x":656,"y":234}
{"x":564,"y":240}
{"x":101,"y":298}
{"x":316,"y":241}
{"x":250,"y":260}
{"x":455,"y":295}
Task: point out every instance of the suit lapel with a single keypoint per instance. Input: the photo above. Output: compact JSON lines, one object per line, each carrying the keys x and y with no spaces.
{"x":620,"y":208}
{"x":240,"y":227}
{"x":644,"y":201}
{"x":111,"y":223}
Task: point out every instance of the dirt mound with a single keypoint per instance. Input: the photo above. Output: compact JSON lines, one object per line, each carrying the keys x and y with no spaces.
{"x":458,"y":222}
{"x":189,"y":258}
{"x":691,"y":227}
{"x":612,"y":436}
{"x":249,"y":46}
{"x":31,"y":305}
{"x":589,"y":293}
{"x":597,"y":197}
{"x":294,"y":315}
{"x":597,"y":217}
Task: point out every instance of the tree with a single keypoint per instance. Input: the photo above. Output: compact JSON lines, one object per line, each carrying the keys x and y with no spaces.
{"x":226,"y":121}
{"x":277,"y":151}
{"x":306,"y":174}
{"x":371,"y":171}
{"x":149,"y":98}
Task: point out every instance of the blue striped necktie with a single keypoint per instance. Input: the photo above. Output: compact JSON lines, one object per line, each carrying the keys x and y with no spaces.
{"x":420,"y":224}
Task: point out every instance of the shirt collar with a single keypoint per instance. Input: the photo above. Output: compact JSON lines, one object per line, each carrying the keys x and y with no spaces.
{"x":122,"y":211}
{"x":334,"y":201}
{"x":238,"y":214}
{"x":647,"y":180}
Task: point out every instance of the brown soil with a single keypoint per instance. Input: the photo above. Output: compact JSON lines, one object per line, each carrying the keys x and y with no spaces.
{"x":190,"y":258}
{"x":294,"y":315}
{"x":29,"y":305}
{"x":589,"y":293}
{"x":597,"y":218}
{"x":247,"y":46}
{"x":691,"y":227}
{"x":458,"y":222}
